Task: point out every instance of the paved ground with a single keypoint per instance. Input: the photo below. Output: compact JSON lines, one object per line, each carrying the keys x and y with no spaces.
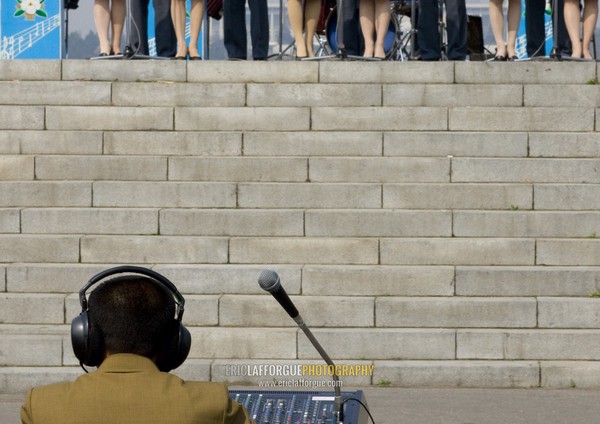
{"x":451,"y":406}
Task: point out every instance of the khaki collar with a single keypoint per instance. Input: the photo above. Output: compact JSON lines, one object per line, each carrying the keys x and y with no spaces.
{"x":127,"y":362}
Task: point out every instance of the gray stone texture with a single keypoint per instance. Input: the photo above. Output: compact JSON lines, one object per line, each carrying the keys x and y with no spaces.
{"x":567,"y":344}
{"x":389,"y":344}
{"x":318,"y":311}
{"x":43,"y":93}
{"x":235,"y":222}
{"x":525,"y":224}
{"x":379,"y":118}
{"x":329,"y":280}
{"x":322,"y":143}
{"x":178,"y":94}
{"x":117,"y":168}
{"x":377,"y":223}
{"x":22,"y":118}
{"x":527,"y":281}
{"x":309,"y":195}
{"x":172,"y":143}
{"x":458,"y":196}
{"x":108,"y":118}
{"x":238,"y":169}
{"x":164,"y":194}
{"x":445,"y":95}
{"x":567,"y":197}
{"x":521,"y":374}
{"x":45,"y":193}
{"x":384,"y":170}
{"x":525,"y":170}
{"x":123,"y":70}
{"x":314,"y":95}
{"x":455,"y":251}
{"x":564,"y":145}
{"x":303,"y":250}
{"x":473,"y":144}
{"x":153,"y":249}
{"x":242,"y":119}
{"x":457,"y":312}
{"x":51,"y":142}
{"x":437,"y":220}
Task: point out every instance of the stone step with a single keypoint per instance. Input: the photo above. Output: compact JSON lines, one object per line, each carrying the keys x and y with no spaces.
{"x":436,"y":221}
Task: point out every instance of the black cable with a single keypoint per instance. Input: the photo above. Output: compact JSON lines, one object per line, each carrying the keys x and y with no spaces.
{"x":362,"y":404}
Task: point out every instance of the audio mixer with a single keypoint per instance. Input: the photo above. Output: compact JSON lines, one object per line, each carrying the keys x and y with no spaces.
{"x":299,"y":407}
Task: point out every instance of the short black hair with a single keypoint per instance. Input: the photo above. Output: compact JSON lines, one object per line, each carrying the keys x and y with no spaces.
{"x":134,"y":314}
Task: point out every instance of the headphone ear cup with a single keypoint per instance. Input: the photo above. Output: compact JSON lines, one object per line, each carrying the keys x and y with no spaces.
{"x":176,"y":348}
{"x":88,"y":344}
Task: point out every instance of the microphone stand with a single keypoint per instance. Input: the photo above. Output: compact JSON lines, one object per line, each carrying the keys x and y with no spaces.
{"x":338,"y":392}
{"x":269,"y":281}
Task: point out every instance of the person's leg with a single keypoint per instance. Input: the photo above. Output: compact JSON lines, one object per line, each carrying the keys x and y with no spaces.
{"x":312,"y":10}
{"x":456,"y":29}
{"x":196,"y":16}
{"x":234,"y":28}
{"x":497,"y":24}
{"x":139,"y":28}
{"x":514,"y":18}
{"x":102,"y":21}
{"x":295,"y":15}
{"x":351,"y":26}
{"x":382,"y":23}
{"x":428,"y":39}
{"x":117,"y":18}
{"x":535,"y":27}
{"x":590,"y":17}
{"x":166,"y":41}
{"x":563,"y":41}
{"x":367,"y":25}
{"x":178,"y":17}
{"x":259,"y":28}
{"x":572,"y":19}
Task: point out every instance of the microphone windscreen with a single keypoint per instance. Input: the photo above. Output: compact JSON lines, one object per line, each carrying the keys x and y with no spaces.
{"x":269,"y":280}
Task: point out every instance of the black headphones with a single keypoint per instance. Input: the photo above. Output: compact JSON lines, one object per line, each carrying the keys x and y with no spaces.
{"x":88,"y":344}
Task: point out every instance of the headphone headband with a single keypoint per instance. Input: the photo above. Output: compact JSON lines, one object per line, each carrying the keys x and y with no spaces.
{"x":179,"y":302}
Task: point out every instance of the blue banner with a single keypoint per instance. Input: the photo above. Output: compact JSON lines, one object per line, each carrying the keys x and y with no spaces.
{"x":30,"y":29}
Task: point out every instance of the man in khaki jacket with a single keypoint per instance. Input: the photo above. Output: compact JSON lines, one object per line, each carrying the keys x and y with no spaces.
{"x":128,"y":386}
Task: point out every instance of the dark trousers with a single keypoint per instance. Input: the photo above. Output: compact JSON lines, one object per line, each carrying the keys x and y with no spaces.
{"x":166,"y":42}
{"x":428,"y":39}
{"x":534,"y":28}
{"x":234,"y":23}
{"x":352,"y":36}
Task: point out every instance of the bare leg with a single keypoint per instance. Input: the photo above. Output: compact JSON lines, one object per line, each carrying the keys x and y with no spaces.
{"x":296,"y":22}
{"x":312,"y":10}
{"x":196,"y":15}
{"x":382,"y":23}
{"x":514,"y":17}
{"x":367,"y":25}
{"x":497,"y":23}
{"x":572,"y":18}
{"x":178,"y":17}
{"x":102,"y":20}
{"x":590,"y":16}
{"x":117,"y":17}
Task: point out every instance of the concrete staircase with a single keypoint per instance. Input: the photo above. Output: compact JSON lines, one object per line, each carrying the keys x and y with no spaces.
{"x":439,"y":221}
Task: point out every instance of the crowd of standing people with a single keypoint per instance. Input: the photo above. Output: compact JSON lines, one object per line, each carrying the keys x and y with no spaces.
{"x":364,"y":27}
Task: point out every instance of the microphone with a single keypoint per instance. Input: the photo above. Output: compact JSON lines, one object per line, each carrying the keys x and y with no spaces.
{"x":269,"y":281}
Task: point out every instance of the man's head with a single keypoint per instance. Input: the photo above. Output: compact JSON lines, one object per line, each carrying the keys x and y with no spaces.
{"x":133,"y":314}
{"x":138,"y":313}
